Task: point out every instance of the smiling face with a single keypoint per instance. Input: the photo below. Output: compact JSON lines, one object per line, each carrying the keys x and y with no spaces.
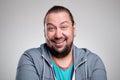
{"x":59,"y":33}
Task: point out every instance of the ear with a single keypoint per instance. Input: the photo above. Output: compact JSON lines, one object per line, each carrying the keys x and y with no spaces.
{"x":74,"y":28}
{"x":45,"y":33}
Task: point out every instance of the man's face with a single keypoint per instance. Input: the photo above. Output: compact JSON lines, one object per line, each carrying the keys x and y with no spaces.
{"x":59,"y":31}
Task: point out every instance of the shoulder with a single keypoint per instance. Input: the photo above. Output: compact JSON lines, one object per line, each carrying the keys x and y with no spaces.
{"x":84,"y":52}
{"x":34,"y":51}
{"x":33,"y":54}
{"x":92,"y":58}
{"x":87,"y":53}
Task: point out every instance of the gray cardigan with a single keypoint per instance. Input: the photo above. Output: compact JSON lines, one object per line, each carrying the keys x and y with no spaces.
{"x":36,"y":64}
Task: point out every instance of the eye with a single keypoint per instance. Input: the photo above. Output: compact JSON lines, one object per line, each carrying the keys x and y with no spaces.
{"x":51,"y":29}
{"x":64,"y":27}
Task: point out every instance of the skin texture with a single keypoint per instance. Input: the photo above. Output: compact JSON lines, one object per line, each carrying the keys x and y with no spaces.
{"x":59,"y":35}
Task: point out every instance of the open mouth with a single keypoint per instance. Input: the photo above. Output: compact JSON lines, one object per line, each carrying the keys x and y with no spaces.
{"x":59,"y":42}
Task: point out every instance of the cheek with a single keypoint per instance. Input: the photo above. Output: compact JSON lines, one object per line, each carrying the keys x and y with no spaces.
{"x":69,"y":34}
{"x":49,"y":35}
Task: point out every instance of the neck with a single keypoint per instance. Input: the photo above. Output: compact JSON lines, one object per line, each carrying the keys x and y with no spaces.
{"x":64,"y":62}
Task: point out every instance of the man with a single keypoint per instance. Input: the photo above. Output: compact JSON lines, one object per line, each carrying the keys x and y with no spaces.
{"x":59,"y":58}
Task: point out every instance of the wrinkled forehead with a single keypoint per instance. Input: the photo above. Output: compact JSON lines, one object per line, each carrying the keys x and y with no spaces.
{"x":56,"y":13}
{"x":57,"y":18}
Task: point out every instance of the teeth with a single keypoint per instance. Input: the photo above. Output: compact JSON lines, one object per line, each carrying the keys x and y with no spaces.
{"x":59,"y":41}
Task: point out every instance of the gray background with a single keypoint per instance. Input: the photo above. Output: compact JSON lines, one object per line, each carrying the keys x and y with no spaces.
{"x":21,"y":28}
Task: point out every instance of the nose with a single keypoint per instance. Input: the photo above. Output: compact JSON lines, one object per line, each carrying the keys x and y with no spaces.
{"x":58,"y":33}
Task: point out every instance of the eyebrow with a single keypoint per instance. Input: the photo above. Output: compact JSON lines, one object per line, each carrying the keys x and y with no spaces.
{"x":50,"y":24}
{"x":60,"y":23}
{"x":64,"y":22}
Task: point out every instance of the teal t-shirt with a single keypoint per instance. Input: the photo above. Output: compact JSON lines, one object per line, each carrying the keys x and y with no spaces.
{"x":62,"y":74}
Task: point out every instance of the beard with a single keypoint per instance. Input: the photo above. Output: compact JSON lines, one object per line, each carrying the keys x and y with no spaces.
{"x":60,"y":54}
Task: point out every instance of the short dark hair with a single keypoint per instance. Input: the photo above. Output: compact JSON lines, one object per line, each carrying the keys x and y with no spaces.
{"x":59,"y":9}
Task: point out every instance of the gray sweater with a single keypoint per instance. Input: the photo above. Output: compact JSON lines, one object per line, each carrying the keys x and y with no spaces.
{"x":36,"y":64}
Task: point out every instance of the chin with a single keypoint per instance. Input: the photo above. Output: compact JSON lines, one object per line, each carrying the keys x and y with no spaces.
{"x":60,"y":49}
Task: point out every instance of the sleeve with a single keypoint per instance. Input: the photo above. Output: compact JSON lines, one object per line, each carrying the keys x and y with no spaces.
{"x":26,"y":69}
{"x":99,"y":71}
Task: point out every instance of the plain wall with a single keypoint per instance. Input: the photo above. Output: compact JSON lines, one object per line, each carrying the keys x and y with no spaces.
{"x":21,"y":28}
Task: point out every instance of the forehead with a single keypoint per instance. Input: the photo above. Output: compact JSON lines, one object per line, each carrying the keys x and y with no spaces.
{"x":57,"y":17}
